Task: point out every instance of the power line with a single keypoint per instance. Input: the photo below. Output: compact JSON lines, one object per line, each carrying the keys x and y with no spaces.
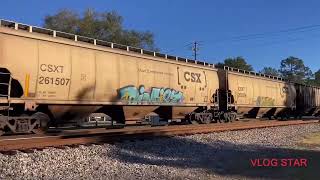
{"x":195,"y":49}
{"x":266,"y":34}
{"x":297,"y":29}
{"x":284,"y":41}
{"x":195,"y":46}
{"x":186,"y":45}
{"x":276,"y":43}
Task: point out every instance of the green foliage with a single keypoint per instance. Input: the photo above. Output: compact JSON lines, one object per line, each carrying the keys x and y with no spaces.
{"x":316,"y":80}
{"x":310,"y":82}
{"x":270,"y":71}
{"x":237,"y":62}
{"x":293,"y":69}
{"x":317,"y":76}
{"x":65,"y":20}
{"x":105,"y":26}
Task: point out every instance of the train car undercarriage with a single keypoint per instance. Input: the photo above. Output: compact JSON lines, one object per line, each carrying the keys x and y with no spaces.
{"x":13,"y":122}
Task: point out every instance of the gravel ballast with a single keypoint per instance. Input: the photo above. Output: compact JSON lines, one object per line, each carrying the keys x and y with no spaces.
{"x":224,"y":155}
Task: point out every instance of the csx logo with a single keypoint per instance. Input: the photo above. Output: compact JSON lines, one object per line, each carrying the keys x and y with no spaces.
{"x":193,"y":77}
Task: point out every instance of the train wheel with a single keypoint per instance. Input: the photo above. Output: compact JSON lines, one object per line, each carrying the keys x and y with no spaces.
{"x":203,"y":118}
{"x":190,"y":119}
{"x":43,"y":120}
{"x":233,"y":117}
{"x":227,"y":117}
{"x":220,"y":117}
{"x":206,"y":120}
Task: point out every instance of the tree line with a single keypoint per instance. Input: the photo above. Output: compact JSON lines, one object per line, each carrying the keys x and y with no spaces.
{"x":108,"y":26}
{"x":291,"y":68}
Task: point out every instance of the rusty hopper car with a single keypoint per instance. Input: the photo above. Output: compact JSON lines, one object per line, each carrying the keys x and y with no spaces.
{"x":258,"y":95}
{"x":48,"y":75}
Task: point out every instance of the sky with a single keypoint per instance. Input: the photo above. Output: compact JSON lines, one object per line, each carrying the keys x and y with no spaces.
{"x":264,"y":32}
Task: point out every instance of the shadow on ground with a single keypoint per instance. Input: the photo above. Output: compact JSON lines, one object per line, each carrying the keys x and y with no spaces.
{"x":218,"y":157}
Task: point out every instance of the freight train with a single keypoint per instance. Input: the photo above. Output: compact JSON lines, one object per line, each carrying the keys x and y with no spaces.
{"x":50,"y":78}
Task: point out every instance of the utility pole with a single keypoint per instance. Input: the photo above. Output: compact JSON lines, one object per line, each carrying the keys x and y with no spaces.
{"x":195,"y":49}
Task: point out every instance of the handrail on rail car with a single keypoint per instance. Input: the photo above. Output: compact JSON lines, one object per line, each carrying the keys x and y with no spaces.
{"x":96,"y":42}
{"x":254,"y":73}
{"x":265,"y":75}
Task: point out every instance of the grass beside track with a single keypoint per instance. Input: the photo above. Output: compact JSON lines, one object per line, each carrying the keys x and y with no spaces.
{"x":311,"y":140}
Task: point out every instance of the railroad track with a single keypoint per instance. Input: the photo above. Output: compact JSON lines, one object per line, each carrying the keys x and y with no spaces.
{"x":101,"y":135}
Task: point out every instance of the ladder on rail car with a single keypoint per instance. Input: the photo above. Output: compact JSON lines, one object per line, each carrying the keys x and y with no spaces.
{"x":6,"y":85}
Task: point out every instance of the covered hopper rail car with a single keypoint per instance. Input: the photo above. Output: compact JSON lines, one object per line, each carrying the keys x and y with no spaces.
{"x":50,"y":78}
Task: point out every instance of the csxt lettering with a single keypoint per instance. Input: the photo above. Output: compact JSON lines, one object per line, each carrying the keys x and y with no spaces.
{"x":193,"y":77}
{"x":51,"y":68}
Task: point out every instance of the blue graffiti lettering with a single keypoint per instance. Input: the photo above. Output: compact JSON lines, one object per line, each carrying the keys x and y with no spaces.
{"x":132,"y":94}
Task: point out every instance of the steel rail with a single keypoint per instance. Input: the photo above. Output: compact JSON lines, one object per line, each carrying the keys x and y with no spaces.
{"x":89,"y":136}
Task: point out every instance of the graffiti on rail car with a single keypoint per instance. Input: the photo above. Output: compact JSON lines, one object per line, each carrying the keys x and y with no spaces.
{"x":265,"y":101}
{"x":133,"y":94}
